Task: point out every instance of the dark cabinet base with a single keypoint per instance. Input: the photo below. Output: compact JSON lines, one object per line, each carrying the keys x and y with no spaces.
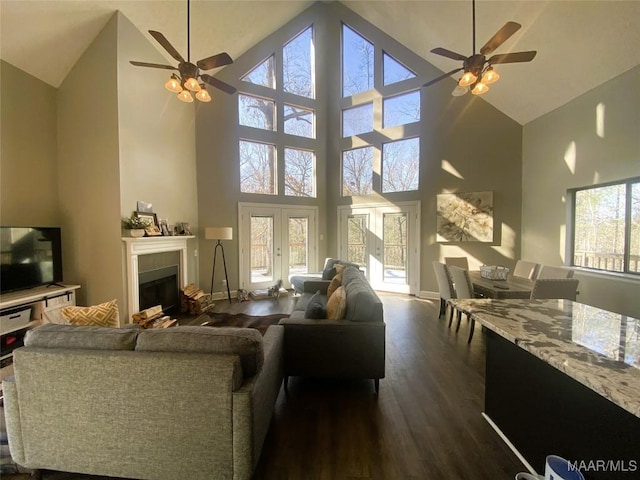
{"x":543,"y":411}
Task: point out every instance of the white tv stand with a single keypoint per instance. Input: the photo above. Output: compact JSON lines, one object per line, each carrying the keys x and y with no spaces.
{"x":45,"y":304}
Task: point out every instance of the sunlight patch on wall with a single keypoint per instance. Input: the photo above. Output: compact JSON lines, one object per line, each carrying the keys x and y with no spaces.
{"x":453,"y":251}
{"x":570,"y":157}
{"x":561,"y":244}
{"x":600,"y":120}
{"x":447,"y":167}
{"x":596,"y":177}
{"x":507,"y":247}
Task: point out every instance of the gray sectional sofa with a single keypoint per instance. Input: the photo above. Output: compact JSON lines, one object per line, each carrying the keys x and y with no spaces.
{"x":353,"y":347}
{"x":184,"y":402}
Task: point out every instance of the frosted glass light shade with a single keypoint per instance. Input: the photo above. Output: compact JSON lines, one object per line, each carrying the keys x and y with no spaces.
{"x":459,"y":91}
{"x":203,"y":95}
{"x":490,"y":76}
{"x":185,"y":96}
{"x":467,"y":79}
{"x":218,"y":233}
{"x":192,"y":84}
{"x":173,"y":85}
{"x":479,"y":89}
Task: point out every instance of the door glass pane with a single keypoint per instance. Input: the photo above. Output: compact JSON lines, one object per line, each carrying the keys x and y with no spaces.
{"x":261,"y":249}
{"x":395,"y":248}
{"x":298,"y":245}
{"x":357,"y":239}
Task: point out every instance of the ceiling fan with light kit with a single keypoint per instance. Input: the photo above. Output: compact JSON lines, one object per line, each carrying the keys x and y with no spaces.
{"x":188,"y":78}
{"x":478,"y":69}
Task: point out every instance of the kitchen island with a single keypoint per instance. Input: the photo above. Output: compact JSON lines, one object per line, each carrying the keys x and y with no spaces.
{"x":563,"y":378}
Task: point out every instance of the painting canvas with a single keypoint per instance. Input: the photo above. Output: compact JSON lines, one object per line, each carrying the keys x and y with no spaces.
{"x":465,"y":217}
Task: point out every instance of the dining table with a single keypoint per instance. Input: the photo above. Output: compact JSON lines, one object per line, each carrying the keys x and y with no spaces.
{"x":511,"y":287}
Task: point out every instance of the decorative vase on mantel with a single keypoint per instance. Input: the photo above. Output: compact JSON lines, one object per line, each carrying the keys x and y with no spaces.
{"x":136,"y":232}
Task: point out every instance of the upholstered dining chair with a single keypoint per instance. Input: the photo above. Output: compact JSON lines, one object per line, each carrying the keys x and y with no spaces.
{"x":547,"y":271}
{"x":463,"y":289}
{"x":526,"y":269}
{"x":445,"y":286}
{"x":461,"y":262}
{"x":566,"y":288}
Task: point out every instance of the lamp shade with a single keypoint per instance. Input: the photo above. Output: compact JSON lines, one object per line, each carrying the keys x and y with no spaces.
{"x":218,"y":233}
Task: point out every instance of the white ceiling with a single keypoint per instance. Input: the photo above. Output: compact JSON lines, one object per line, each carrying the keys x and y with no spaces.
{"x":580,"y":44}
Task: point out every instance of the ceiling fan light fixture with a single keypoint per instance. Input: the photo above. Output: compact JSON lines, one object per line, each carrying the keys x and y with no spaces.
{"x":467,"y":79}
{"x":192,"y":84}
{"x":185,"y":96}
{"x":203,"y":95}
{"x":480,"y":89}
{"x":173,"y":85}
{"x":459,"y":91}
{"x":490,"y":76}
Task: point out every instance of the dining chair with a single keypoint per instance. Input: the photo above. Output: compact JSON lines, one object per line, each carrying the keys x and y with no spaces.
{"x":547,"y":271}
{"x":526,"y":269}
{"x":445,"y":286}
{"x":463,"y":289}
{"x":566,"y":288}
{"x":461,"y":262}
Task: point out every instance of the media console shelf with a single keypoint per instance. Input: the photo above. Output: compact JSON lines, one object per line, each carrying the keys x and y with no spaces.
{"x":25,"y":309}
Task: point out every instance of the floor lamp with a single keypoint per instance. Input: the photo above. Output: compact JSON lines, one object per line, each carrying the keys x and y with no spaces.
{"x":219,"y":233}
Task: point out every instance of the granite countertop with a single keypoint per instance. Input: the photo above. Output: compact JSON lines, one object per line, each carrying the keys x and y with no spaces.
{"x":598,"y":348}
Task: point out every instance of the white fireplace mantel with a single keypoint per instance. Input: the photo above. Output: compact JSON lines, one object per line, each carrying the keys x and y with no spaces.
{"x":134,"y":247}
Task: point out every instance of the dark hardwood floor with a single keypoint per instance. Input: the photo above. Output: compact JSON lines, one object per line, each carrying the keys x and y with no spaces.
{"x":425,"y":424}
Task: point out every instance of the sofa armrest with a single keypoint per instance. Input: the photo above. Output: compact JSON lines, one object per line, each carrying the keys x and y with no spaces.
{"x":334,"y":348}
{"x":254,"y":403}
{"x":12,"y":418}
{"x":312,"y":286}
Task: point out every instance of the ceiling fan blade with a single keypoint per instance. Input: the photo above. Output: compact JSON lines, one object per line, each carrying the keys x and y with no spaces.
{"x":214,"y":82}
{"x":152,"y":65}
{"x":214,"y":61}
{"x":512,"y":57}
{"x":500,"y":37}
{"x":161,"y":39}
{"x":442,"y":77}
{"x":448,"y":53}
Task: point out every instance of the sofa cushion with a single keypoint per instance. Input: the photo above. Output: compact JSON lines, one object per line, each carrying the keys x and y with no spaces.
{"x":52,"y":335}
{"x":244,"y":342}
{"x":316,"y":307}
{"x":103,"y":315}
{"x":363,"y":305}
{"x":337,"y":304}
{"x":336,"y":281}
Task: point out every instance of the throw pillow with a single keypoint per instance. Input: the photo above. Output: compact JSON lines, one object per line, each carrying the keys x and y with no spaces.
{"x":340,"y":267}
{"x":317,"y":307}
{"x":337,"y":304}
{"x":103,"y":315}
{"x":335,"y":283}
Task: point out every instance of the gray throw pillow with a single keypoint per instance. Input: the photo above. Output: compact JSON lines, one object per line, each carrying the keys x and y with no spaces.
{"x":317,"y":307}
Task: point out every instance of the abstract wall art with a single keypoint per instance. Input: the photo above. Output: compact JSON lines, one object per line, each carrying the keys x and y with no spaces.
{"x":465,"y":217}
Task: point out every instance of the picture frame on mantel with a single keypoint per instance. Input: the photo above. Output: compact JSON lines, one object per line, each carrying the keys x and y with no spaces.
{"x":153,"y":229}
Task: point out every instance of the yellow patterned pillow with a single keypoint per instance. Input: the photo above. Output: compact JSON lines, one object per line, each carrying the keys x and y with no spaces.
{"x":336,"y":281}
{"x":103,"y":315}
{"x":337,"y":304}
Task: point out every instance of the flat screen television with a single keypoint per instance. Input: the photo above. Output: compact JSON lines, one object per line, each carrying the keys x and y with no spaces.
{"x":29,"y":257}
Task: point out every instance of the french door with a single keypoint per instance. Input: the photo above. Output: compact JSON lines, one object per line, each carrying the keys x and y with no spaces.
{"x":276,"y":241}
{"x":385,"y":241}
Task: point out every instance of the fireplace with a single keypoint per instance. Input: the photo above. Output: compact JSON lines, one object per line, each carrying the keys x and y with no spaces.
{"x":136,"y":249}
{"x":159,"y":287}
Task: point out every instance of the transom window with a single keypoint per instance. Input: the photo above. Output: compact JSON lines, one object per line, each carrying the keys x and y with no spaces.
{"x":371,"y":117}
{"x":282,"y":126}
{"x":606,"y":226}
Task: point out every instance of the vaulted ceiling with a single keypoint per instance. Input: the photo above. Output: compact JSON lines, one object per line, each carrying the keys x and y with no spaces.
{"x":580,"y":44}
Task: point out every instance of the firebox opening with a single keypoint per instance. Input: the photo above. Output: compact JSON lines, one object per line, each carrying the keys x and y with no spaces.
{"x":160,"y":287}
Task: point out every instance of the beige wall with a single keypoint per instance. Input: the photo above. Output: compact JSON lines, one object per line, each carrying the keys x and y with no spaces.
{"x":481,"y":143}
{"x":81,"y":156}
{"x":89,"y":172}
{"x":563,"y":150}
{"x":28,"y":170}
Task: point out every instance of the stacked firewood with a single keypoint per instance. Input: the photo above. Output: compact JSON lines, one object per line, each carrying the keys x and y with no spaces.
{"x":153,"y":317}
{"x":194,"y":300}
